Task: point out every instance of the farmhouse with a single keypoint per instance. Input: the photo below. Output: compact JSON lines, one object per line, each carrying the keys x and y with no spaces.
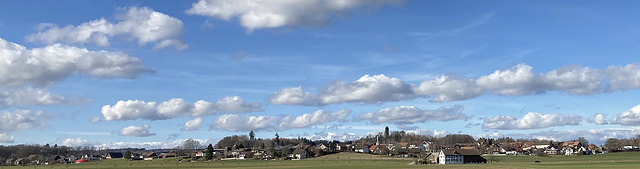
{"x":460,"y":156}
{"x":299,"y":154}
{"x":112,"y":155}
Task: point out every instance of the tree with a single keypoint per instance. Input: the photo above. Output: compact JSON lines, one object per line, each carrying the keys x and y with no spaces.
{"x":190,"y":145}
{"x":583,"y":141}
{"x":209,"y":152}
{"x":127,"y":155}
{"x":252,"y":135}
{"x":277,"y":139}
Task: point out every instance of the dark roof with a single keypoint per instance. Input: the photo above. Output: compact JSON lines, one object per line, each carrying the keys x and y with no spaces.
{"x":299,"y":151}
{"x":461,"y":152}
{"x":115,"y":155}
{"x":474,"y":159}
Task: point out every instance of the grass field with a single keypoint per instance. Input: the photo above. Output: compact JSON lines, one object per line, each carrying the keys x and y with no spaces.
{"x":366,"y":161}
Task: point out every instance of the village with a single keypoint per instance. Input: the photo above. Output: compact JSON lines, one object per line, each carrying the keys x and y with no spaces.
{"x":451,"y":149}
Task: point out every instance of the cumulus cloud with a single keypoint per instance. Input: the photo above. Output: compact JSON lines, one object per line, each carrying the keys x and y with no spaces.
{"x":630,"y":117}
{"x":95,"y":119}
{"x":6,"y":138}
{"x":175,"y":107}
{"x":519,"y":80}
{"x":45,"y":66}
{"x":574,"y":80}
{"x":192,"y":125}
{"x":409,"y":115}
{"x":258,"y":14}
{"x":599,"y":119}
{"x":334,"y":136}
{"x":308,"y":120}
{"x":142,"y":131}
{"x":77,"y":142}
{"x":367,"y":89}
{"x":236,"y":123}
{"x":435,"y":133}
{"x":449,"y":89}
{"x":595,"y":136}
{"x":22,"y":120}
{"x":155,"y":145}
{"x":294,"y":96}
{"x":623,"y":77}
{"x":30,"y":96}
{"x":530,"y":121}
{"x":516,"y":81}
{"x":142,"y":24}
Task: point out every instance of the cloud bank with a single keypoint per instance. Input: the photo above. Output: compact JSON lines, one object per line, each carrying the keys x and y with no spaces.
{"x":48,"y":65}
{"x":517,"y":81}
{"x":530,"y":121}
{"x":142,"y":24}
{"x":259,"y":14}
{"x":236,"y":123}
{"x":402,"y":115}
{"x":175,"y":107}
{"x":135,"y":131}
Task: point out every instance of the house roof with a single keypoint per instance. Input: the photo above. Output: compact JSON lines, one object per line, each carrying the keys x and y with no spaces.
{"x":461,"y":152}
{"x":299,"y":151}
{"x":373,"y":147}
{"x":115,"y":155}
{"x":575,"y":143}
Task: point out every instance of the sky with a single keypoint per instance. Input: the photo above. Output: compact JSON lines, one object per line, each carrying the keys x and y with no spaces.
{"x":150,"y":74}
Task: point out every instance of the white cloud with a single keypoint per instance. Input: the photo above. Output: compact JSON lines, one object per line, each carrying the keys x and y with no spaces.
{"x":294,"y":96}
{"x":367,"y":89}
{"x":155,"y":145}
{"x":77,"y":142}
{"x":6,"y":138}
{"x":516,"y":81}
{"x":623,"y":77}
{"x":530,"y":121}
{"x":141,"y":24}
{"x":409,"y":115}
{"x":22,"y":120}
{"x":235,"y":123}
{"x":519,"y":80}
{"x":175,"y":107}
{"x":192,"y":125}
{"x":490,"y":135}
{"x":142,"y":131}
{"x":574,"y":80}
{"x":630,"y":117}
{"x":598,"y":119}
{"x":595,"y":136}
{"x":131,"y":110}
{"x":258,"y":14}
{"x":95,"y":119}
{"x":449,"y":89}
{"x":30,"y":96}
{"x":308,"y":120}
{"x":45,"y":66}
{"x":435,"y":133}
{"x":334,"y":136}
{"x":237,"y":105}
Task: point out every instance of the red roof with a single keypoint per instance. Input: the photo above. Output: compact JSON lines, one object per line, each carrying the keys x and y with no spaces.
{"x":82,"y":161}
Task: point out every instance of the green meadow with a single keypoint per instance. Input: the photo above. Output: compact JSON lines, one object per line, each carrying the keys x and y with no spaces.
{"x":366,"y":161}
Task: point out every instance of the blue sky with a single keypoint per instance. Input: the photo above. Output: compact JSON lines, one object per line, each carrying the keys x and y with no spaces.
{"x":154,"y":73}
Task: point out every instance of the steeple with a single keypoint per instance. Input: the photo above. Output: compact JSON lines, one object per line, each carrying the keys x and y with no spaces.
{"x":377,"y":140}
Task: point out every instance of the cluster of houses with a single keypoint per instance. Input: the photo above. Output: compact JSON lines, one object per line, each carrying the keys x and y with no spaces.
{"x":529,"y":148}
{"x":425,"y":151}
{"x":53,"y":159}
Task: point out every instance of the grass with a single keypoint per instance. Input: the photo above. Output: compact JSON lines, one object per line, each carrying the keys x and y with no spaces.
{"x":366,"y":161}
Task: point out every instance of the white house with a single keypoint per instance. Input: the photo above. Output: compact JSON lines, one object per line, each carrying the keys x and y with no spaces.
{"x":460,"y":156}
